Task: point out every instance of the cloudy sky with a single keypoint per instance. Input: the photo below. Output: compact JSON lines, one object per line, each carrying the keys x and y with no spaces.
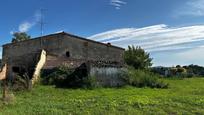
{"x":171,"y":30}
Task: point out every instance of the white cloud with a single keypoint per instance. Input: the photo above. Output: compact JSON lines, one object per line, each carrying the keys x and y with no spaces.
{"x":27,"y":25}
{"x":117,"y":3}
{"x":191,"y":8}
{"x":167,"y":45}
{"x":11,"y":32}
{"x":155,"y":38}
{"x":59,"y":31}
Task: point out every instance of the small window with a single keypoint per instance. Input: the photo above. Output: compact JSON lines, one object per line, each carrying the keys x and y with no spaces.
{"x":67,"y":54}
{"x":86,"y":44}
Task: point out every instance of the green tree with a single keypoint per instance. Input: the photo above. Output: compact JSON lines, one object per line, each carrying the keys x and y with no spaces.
{"x":137,"y":57}
{"x":178,"y":66}
{"x":20,"y":36}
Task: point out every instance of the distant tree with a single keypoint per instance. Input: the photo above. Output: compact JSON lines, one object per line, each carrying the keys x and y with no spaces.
{"x":195,"y":69}
{"x":137,"y":57}
{"x":178,"y":66}
{"x":181,"y":70}
{"x":20,"y":36}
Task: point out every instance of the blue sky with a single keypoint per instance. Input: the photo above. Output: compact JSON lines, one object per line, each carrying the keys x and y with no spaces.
{"x":171,"y":30}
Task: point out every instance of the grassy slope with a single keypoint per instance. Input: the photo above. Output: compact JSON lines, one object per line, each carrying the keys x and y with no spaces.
{"x":183,"y":96}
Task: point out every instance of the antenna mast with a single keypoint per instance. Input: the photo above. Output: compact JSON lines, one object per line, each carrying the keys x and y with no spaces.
{"x":41,"y":22}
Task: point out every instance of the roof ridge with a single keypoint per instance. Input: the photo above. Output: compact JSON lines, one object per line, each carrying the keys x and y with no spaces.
{"x":65,"y":33}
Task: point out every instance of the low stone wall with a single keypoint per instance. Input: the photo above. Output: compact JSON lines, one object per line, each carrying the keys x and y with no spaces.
{"x":107,"y":76}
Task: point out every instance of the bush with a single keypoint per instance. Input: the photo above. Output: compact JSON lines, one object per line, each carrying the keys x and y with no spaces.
{"x":90,"y":82}
{"x":58,"y":74}
{"x":143,"y":78}
{"x":64,"y":77}
{"x":137,"y":58}
{"x":21,"y":83}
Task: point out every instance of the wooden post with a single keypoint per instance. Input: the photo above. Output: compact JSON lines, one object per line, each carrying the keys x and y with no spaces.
{"x":3,"y":78}
{"x":5,"y":89}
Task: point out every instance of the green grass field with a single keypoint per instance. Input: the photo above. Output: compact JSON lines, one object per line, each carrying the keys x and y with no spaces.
{"x":182,"y":97}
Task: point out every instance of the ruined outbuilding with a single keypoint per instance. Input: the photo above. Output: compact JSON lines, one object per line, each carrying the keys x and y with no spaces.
{"x":47,"y":52}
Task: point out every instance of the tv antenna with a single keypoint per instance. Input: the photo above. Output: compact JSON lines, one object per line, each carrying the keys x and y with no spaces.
{"x":42,"y":24}
{"x":41,"y":21}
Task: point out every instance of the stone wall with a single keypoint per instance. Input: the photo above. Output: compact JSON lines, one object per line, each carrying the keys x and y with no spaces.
{"x":60,"y":44}
{"x":60,"y":48}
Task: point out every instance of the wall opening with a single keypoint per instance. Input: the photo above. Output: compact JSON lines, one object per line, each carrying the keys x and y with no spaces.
{"x":86,"y":44}
{"x":19,"y":70}
{"x":16,"y":69}
{"x":68,"y":54}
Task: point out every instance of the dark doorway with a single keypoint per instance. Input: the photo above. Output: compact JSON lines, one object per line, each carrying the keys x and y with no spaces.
{"x":16,"y":69}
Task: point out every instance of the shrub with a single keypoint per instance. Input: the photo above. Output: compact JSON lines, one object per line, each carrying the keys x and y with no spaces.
{"x":90,"y":82}
{"x":65,"y":77}
{"x":137,"y":58}
{"x":57,"y":74}
{"x":21,"y":82}
{"x":143,"y":78}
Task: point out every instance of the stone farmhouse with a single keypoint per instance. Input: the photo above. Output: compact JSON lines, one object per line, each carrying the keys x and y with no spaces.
{"x":50,"y":51}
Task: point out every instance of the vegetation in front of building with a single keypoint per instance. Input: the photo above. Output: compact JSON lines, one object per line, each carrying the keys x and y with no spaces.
{"x":137,"y":58}
{"x":143,"y":78}
{"x":64,"y":77}
{"x":21,"y":82}
{"x":182,"y":97}
{"x":138,"y":72}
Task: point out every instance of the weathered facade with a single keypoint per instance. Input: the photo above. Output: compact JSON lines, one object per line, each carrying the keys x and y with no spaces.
{"x":61,"y":48}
